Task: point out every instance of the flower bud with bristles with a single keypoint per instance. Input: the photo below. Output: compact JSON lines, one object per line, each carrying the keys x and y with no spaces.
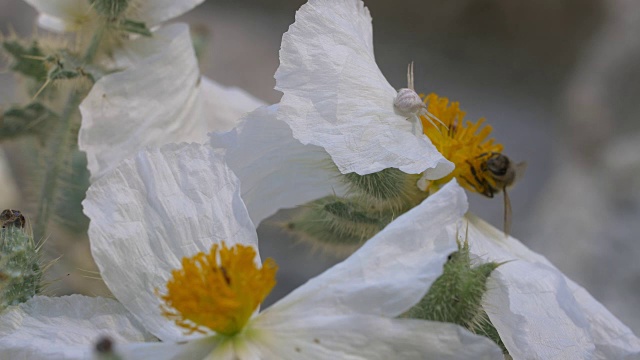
{"x":20,"y":269}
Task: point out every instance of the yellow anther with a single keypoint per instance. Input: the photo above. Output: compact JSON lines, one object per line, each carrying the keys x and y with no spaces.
{"x":219,"y":290}
{"x":463,"y":143}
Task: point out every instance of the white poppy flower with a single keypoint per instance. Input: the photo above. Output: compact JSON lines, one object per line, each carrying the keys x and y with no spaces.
{"x":539,"y":312}
{"x":181,"y":200}
{"x":159,"y":98}
{"x":69,"y":15}
{"x":276,"y":170}
{"x":336,"y":97}
{"x":65,"y":327}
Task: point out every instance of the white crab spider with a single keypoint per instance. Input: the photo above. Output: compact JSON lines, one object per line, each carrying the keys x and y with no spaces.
{"x":409,"y":103}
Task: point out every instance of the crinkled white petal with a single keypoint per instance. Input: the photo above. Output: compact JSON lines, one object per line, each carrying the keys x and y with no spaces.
{"x":159,"y":98}
{"x":540,"y":313}
{"x":153,"y":12}
{"x":155,"y":209}
{"x":393,"y":270}
{"x":336,"y":97}
{"x":152,"y":103}
{"x":275,"y":169}
{"x":65,"y":327}
{"x":224,"y":107}
{"x":61,"y":15}
{"x":357,"y":336}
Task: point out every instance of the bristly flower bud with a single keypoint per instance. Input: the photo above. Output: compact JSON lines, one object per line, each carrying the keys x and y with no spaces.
{"x":20,"y":270}
{"x":456,"y":296}
{"x":341,"y":225}
{"x":110,"y":9}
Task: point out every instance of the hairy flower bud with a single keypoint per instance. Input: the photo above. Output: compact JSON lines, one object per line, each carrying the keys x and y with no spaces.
{"x":20,"y":270}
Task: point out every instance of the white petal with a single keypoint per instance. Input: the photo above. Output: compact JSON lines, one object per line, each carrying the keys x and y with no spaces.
{"x":393,"y":270}
{"x":225,"y":106}
{"x":336,"y":97}
{"x":539,"y":312}
{"x":65,"y":328}
{"x":275,"y":169}
{"x":155,"y":209}
{"x":154,"y":102}
{"x":366,"y":337}
{"x":156,"y":11}
{"x":61,"y":15}
{"x":191,"y":350}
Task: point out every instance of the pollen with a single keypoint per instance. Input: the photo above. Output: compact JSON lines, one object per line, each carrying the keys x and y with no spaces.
{"x":218,"y":291}
{"x":464,"y":143}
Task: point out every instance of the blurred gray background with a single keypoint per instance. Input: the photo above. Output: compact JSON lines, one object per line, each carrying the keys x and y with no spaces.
{"x":557,"y":79}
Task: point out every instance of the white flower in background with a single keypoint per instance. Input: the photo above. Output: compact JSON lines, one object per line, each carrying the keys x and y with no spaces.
{"x":164,"y":205}
{"x":540,"y":313}
{"x":70,"y":15}
{"x":336,"y":97}
{"x":159,"y":98}
{"x":65,"y":327}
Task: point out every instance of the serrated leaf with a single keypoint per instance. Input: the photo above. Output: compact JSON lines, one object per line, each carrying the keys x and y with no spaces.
{"x":25,"y":59}
{"x":33,"y":119}
{"x":135,"y":27}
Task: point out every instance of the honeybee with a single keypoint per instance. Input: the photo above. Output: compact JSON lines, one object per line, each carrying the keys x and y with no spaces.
{"x":495,"y":174}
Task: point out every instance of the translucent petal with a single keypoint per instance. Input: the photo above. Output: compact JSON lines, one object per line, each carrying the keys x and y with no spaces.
{"x":275,"y":169}
{"x":224,"y":107}
{"x":159,"y":98}
{"x":60,"y":15}
{"x":365,"y":337}
{"x":152,"y":103}
{"x":63,"y":15}
{"x":154,"y":12}
{"x":336,"y":97}
{"x":65,"y":327}
{"x":539,"y":312}
{"x":393,"y":270}
{"x":155,"y":209}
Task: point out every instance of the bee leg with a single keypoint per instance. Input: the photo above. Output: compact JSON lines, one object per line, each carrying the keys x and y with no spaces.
{"x":507,"y":212}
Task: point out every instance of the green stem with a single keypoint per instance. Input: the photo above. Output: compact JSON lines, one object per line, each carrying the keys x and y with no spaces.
{"x":56,"y":158}
{"x":60,"y":147}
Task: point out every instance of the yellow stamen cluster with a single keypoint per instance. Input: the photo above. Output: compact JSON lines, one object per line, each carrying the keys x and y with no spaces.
{"x":219,"y":290}
{"x":464,"y":143}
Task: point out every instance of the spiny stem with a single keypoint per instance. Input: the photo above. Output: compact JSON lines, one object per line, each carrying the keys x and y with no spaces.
{"x":59,"y":150}
{"x":56,"y":157}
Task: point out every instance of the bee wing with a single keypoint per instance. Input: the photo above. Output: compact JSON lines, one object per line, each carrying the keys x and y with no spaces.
{"x":521,"y":168}
{"x":507,"y":212}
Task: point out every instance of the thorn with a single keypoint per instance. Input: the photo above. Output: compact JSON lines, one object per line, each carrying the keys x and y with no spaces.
{"x":46,"y":83}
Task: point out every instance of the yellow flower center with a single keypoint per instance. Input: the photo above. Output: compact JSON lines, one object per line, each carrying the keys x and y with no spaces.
{"x":464,"y":143}
{"x":219,"y":290}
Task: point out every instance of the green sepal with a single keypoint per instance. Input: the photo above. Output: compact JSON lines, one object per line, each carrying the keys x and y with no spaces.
{"x":20,"y":269}
{"x":456,"y":296}
{"x":134,"y":27}
{"x":33,"y":119}
{"x":389,"y":189}
{"x":341,"y":224}
{"x":338,"y":225}
{"x":26,"y":59}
